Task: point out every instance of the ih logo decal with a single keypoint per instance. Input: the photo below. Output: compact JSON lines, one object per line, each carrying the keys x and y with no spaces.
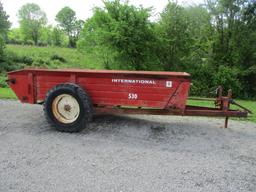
{"x":168,"y":83}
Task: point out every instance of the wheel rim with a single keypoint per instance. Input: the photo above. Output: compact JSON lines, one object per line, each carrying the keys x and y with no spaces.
{"x":65,"y":108}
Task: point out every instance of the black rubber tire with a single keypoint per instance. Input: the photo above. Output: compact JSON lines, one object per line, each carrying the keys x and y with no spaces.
{"x":85,"y":104}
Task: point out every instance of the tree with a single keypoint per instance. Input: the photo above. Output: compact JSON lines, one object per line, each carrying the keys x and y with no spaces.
{"x":4,"y":27}
{"x":174,"y":36}
{"x":32,"y":19}
{"x":58,"y":37}
{"x":186,"y":43}
{"x":67,"y":20}
{"x":226,"y":16}
{"x":46,"y":36}
{"x":234,"y":39}
{"x":123,"y":33}
{"x":198,"y":60}
{"x":79,"y":24}
{"x":15,"y":36}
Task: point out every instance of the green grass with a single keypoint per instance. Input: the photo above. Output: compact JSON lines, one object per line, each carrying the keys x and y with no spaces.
{"x":74,"y":58}
{"x":7,"y":93}
{"x":251,"y":105}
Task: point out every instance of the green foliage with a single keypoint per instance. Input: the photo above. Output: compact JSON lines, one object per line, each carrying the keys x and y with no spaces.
{"x":49,"y":36}
{"x":202,"y":79}
{"x":174,"y":36}
{"x":4,"y":27}
{"x":4,"y":23}
{"x":123,"y":34}
{"x":249,"y":82}
{"x":15,"y":36}
{"x":24,"y":59}
{"x":228,"y":78}
{"x":46,"y":36}
{"x":29,"y":42}
{"x":2,"y":45}
{"x":58,"y":58}
{"x":58,"y":37}
{"x":32,"y":19}
{"x":3,"y":78}
{"x":67,"y":20}
{"x":18,"y":57}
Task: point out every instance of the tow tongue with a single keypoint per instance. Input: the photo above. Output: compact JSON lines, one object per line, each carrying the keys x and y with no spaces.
{"x":219,"y":102}
{"x":240,"y":106}
{"x":219,"y":91}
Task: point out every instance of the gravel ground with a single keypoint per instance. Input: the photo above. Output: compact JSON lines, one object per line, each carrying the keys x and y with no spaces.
{"x":125,"y":153}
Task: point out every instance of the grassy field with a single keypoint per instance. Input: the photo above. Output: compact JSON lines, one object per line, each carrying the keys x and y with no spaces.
{"x":6,"y":93}
{"x":19,"y":57}
{"x":73,"y":58}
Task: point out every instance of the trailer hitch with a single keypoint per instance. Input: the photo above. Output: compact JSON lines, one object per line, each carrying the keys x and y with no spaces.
{"x":218,"y":102}
{"x":240,"y":106}
{"x":224,"y":102}
{"x":222,"y":107}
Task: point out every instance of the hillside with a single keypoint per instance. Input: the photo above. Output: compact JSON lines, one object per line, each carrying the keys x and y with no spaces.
{"x":53,"y":57}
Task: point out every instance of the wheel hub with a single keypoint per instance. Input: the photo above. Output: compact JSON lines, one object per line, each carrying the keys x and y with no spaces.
{"x":65,"y":108}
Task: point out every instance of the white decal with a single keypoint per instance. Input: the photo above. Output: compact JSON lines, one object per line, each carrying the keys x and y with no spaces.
{"x":132,"y":81}
{"x":132,"y":96}
{"x":168,"y":83}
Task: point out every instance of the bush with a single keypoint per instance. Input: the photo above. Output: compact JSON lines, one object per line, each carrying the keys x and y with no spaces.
{"x":1,"y":47}
{"x":59,"y":58}
{"x":6,"y":63}
{"x":3,"y":79}
{"x":15,"y":41}
{"x":11,"y":61}
{"x":227,"y":77}
{"x":202,"y":77}
{"x":55,"y":64}
{"x":29,"y":42}
{"x":40,"y":62}
{"x":12,"y":57}
{"x":25,"y":59}
{"x":249,"y":83}
{"x":42,"y":44}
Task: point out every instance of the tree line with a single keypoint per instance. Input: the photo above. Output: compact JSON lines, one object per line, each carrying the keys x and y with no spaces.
{"x":34,"y":30}
{"x":215,"y":42}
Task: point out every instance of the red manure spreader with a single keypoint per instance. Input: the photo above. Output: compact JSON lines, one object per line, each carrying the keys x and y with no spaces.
{"x":71,"y":96}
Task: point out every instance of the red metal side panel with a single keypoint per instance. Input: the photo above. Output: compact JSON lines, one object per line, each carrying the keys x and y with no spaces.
{"x":118,"y":90}
{"x":156,"y":90}
{"x":45,"y":82}
{"x":179,"y":98}
{"x":135,"y":90}
{"x":23,"y":86}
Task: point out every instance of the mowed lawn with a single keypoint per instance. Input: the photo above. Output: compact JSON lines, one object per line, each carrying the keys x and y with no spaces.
{"x":7,"y":93}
